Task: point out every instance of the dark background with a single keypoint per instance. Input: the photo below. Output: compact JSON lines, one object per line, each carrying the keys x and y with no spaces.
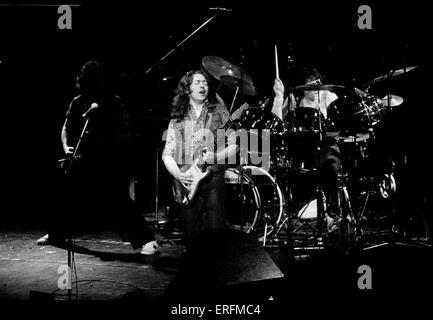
{"x":39,"y":64}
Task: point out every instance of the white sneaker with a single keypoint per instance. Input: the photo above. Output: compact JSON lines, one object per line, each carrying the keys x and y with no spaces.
{"x":43,"y":241}
{"x":47,"y":240}
{"x":149,"y":248}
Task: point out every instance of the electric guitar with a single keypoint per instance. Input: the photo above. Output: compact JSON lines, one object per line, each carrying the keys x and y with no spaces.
{"x":199,"y":170}
{"x":184,"y":195}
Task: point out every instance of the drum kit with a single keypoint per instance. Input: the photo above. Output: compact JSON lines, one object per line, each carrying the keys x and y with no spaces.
{"x":271,"y":201}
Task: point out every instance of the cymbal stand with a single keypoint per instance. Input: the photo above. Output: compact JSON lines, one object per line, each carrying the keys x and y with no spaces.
{"x":321,"y":198}
{"x":242,"y":159}
{"x":239,"y":88}
{"x":234,"y":98}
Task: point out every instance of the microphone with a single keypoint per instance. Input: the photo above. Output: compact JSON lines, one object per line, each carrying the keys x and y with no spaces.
{"x":220,"y":9}
{"x":93,"y":106}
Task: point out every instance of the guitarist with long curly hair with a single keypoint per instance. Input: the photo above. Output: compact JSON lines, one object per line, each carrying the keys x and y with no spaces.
{"x":196,"y":154}
{"x":96,"y":140}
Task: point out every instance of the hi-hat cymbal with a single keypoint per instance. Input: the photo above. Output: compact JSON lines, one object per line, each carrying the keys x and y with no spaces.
{"x":391,"y":100}
{"x":315,"y":87}
{"x":390,"y":74}
{"x":352,"y":137}
{"x":246,"y":87}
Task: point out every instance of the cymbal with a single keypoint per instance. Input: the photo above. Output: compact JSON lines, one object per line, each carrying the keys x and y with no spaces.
{"x":360,"y":93}
{"x":357,"y":137}
{"x":315,"y":87}
{"x":390,"y":74}
{"x":219,"y":67}
{"x":393,"y":100}
{"x":246,"y":87}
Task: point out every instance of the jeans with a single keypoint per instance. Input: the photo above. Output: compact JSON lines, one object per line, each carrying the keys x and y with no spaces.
{"x":208,"y":209}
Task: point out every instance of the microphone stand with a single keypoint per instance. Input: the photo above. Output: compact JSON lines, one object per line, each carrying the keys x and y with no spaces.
{"x":67,"y":173}
{"x":179,"y":44}
{"x":157,"y":189}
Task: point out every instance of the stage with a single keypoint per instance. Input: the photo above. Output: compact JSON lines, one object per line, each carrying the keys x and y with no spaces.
{"x":107,"y":270}
{"x":373,"y":56}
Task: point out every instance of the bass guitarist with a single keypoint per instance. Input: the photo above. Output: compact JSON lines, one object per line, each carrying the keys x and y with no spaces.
{"x":95,"y":194}
{"x":196,"y":138}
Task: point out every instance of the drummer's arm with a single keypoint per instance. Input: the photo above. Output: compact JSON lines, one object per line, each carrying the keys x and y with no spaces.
{"x":279,"y":101}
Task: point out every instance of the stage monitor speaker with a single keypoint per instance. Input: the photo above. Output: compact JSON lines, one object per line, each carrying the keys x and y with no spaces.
{"x":225,"y":265}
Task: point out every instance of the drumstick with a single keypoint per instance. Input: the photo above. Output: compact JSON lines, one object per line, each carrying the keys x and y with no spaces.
{"x":276,"y":63}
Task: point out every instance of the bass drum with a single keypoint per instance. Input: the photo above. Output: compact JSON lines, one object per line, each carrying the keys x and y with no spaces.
{"x":264,"y":201}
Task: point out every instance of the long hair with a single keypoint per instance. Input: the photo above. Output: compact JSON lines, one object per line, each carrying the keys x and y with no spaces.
{"x":180,"y":103}
{"x":310,"y":74}
{"x":88,"y":73}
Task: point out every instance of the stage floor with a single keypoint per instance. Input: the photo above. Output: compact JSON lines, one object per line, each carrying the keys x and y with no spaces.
{"x":107,"y":269}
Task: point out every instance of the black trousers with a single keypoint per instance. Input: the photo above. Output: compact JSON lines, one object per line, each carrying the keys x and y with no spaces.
{"x":95,"y":197}
{"x":307,"y":152}
{"x":208,"y":209}
{"x":330,"y":168}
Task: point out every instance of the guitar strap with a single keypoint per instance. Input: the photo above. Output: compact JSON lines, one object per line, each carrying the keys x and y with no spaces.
{"x":209,"y":117}
{"x":209,"y":120}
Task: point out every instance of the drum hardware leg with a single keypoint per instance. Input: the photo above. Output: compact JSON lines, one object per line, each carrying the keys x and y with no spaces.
{"x":266,"y":232}
{"x":286,"y":220}
{"x":360,"y":216}
{"x":304,"y":223}
{"x":287,"y":217}
{"x":361,"y":213}
{"x":241,"y":175}
{"x":343,"y":194}
{"x":321,"y":200}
